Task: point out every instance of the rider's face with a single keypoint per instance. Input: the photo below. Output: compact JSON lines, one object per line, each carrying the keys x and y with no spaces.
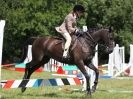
{"x":79,"y":14}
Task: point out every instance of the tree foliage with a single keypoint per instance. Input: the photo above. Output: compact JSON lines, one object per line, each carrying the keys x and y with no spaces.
{"x":26,"y":18}
{"x":116,"y":13}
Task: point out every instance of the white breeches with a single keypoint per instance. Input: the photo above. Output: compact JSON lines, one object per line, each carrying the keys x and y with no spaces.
{"x":68,"y":38}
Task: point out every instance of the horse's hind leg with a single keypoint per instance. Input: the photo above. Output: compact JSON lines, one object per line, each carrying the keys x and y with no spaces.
{"x":91,"y":66}
{"x":30,"y":68}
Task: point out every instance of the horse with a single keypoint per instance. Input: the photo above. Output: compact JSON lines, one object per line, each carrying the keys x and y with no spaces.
{"x":81,"y":53}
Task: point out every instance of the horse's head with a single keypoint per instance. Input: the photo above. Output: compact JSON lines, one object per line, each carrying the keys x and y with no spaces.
{"x":102,"y":35}
{"x":108,"y":38}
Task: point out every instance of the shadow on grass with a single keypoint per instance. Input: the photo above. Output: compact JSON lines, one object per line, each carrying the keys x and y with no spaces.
{"x":30,"y":94}
{"x":60,"y":95}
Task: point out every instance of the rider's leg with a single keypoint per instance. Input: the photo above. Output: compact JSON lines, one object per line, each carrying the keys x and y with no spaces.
{"x":67,"y":44}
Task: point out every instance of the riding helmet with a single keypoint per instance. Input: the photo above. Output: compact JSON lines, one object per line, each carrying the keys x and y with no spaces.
{"x":79,"y":8}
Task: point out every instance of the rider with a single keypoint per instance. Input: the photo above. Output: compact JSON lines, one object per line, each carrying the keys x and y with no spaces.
{"x":68,"y":27}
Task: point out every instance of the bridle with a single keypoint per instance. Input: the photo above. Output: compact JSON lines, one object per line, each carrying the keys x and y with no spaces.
{"x":109,"y":36}
{"x":91,"y":38}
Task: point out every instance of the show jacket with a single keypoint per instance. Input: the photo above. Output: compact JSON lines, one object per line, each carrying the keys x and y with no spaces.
{"x":69,"y":24}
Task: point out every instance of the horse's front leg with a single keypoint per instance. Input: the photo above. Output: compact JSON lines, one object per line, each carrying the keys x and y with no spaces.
{"x":81,"y":67}
{"x":91,"y":66}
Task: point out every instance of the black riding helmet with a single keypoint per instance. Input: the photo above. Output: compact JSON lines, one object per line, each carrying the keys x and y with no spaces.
{"x":79,"y":8}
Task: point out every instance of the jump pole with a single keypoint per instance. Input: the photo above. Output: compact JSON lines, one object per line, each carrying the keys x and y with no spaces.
{"x":40,"y":82}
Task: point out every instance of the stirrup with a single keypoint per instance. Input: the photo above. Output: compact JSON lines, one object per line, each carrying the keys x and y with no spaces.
{"x":65,"y":57}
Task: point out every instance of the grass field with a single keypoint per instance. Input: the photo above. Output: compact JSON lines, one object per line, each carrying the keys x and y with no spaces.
{"x":107,"y":89}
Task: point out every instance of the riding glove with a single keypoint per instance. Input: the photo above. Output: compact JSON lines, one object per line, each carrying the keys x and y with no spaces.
{"x":79,"y":32}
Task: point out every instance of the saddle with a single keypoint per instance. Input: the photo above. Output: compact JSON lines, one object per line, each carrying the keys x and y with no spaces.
{"x":75,"y":40}
{"x":61,"y":40}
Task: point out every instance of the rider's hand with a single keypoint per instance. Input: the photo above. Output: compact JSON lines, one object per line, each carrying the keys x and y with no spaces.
{"x":78,"y":32}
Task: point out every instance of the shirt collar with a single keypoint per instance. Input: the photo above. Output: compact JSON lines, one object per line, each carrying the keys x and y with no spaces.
{"x":75,"y":16}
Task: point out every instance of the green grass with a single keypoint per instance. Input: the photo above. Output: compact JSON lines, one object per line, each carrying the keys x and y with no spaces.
{"x":66,"y":92}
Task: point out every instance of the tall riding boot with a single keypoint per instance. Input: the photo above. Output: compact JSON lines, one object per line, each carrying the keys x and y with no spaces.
{"x":65,"y":53}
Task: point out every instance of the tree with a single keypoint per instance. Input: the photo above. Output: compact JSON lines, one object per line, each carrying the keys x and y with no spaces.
{"x":116,"y":13}
{"x":26,"y":18}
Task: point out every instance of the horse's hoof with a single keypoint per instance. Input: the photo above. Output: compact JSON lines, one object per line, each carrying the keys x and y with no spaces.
{"x":23,"y":90}
{"x":89,"y":93}
{"x":93,"y":89}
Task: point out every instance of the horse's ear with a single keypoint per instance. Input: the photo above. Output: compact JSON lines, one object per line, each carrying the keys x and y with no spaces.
{"x":110,"y":29}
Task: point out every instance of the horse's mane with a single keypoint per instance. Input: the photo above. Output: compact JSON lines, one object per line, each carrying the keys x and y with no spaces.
{"x":92,"y":30}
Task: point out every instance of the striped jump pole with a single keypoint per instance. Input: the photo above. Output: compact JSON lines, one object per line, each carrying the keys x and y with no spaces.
{"x":40,"y":82}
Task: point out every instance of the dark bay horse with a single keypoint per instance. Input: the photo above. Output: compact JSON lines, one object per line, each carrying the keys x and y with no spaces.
{"x":81,"y":54}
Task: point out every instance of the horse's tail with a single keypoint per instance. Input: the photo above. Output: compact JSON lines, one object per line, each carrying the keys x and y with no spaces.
{"x":25,"y":48}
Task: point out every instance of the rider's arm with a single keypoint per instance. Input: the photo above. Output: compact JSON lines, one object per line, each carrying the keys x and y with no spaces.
{"x":70,"y":21}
